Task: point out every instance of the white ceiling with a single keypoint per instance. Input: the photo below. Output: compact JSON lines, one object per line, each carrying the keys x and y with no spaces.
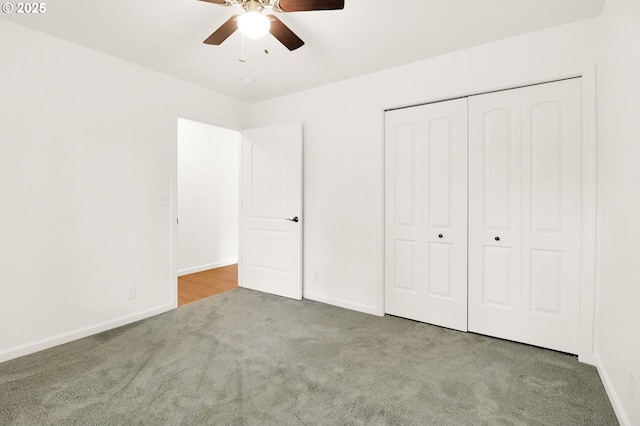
{"x":367,"y":36}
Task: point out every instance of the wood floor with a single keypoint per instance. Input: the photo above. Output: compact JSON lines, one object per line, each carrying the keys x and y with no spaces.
{"x":203,"y":284}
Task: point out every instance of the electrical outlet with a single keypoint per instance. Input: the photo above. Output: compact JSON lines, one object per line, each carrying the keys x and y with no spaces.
{"x":132,"y":293}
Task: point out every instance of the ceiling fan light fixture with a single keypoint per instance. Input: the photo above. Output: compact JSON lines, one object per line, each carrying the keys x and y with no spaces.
{"x":253,"y":24}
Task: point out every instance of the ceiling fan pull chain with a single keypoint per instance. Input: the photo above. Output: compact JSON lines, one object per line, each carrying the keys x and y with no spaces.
{"x":242,"y":59}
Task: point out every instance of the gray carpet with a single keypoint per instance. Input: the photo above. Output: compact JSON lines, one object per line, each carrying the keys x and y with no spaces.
{"x":246,"y":358}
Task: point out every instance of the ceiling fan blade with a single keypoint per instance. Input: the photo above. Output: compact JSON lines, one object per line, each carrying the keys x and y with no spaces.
{"x":284,"y":34}
{"x":222,"y":2}
{"x":225,"y":30}
{"x":307,"y":5}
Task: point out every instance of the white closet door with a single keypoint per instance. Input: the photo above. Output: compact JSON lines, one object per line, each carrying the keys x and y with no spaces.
{"x":425,"y":214}
{"x":525,"y":186}
{"x":552,"y":212}
{"x":494,"y":210}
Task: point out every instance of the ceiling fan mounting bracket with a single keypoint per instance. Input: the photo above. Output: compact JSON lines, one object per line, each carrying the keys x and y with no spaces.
{"x":244,"y":3}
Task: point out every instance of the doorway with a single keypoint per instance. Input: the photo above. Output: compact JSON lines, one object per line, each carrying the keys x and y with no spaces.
{"x":208,"y":195}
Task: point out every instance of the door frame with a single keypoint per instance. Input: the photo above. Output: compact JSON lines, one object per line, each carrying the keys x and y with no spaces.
{"x":174,"y":201}
{"x":590,"y":259}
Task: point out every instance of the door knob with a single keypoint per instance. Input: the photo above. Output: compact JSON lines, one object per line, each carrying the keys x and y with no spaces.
{"x":295,"y":219}
{"x":497,"y":238}
{"x":439,"y":235}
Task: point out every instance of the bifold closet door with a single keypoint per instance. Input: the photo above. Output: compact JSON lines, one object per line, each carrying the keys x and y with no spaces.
{"x":525,"y":209}
{"x":426,"y":213}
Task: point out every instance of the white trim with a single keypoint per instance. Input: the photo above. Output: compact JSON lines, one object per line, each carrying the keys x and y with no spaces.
{"x":302,"y":211}
{"x":588,"y":290}
{"x":618,"y":407}
{"x":380,"y":308}
{"x":367,"y":309}
{"x":173,"y":280}
{"x":201,"y":268}
{"x":495,"y":86}
{"x":598,"y":263}
{"x":63,"y":338}
{"x":589,"y":213}
{"x":240,"y":207}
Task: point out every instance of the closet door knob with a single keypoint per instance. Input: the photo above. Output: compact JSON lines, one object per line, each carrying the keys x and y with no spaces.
{"x":439,"y":235}
{"x":497,"y":238}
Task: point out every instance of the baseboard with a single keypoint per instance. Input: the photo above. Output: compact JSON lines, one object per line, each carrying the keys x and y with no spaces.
{"x":342,"y":303}
{"x":61,"y":339}
{"x":621,"y":414}
{"x":201,"y":268}
{"x":587,"y":358}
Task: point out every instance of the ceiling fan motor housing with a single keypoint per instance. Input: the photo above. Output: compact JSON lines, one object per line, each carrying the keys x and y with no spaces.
{"x":253,"y":6}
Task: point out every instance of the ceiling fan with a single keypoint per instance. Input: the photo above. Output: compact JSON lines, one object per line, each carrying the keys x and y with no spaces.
{"x":254,"y":23}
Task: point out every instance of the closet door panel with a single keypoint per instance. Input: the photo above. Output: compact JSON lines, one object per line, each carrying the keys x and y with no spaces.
{"x":545,"y":281}
{"x":497,"y":266}
{"x":441,"y":276}
{"x":545,"y":146}
{"x":494,"y":211}
{"x":406,"y":179}
{"x":403,"y":212}
{"x":552,"y":211}
{"x":439,"y":172}
{"x":445,"y":209}
{"x":499,"y":145}
{"x":440,"y":155}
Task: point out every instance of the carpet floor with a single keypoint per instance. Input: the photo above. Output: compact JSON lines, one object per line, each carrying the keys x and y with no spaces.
{"x":248,"y":358}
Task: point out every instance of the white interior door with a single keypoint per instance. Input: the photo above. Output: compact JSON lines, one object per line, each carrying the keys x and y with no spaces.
{"x":525,"y":187}
{"x":271,"y":210}
{"x":426,"y":213}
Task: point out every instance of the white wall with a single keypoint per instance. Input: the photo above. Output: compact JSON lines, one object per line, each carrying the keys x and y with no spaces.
{"x":87,"y":142}
{"x":343,"y":140}
{"x":618,"y":343}
{"x":208,"y":196}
